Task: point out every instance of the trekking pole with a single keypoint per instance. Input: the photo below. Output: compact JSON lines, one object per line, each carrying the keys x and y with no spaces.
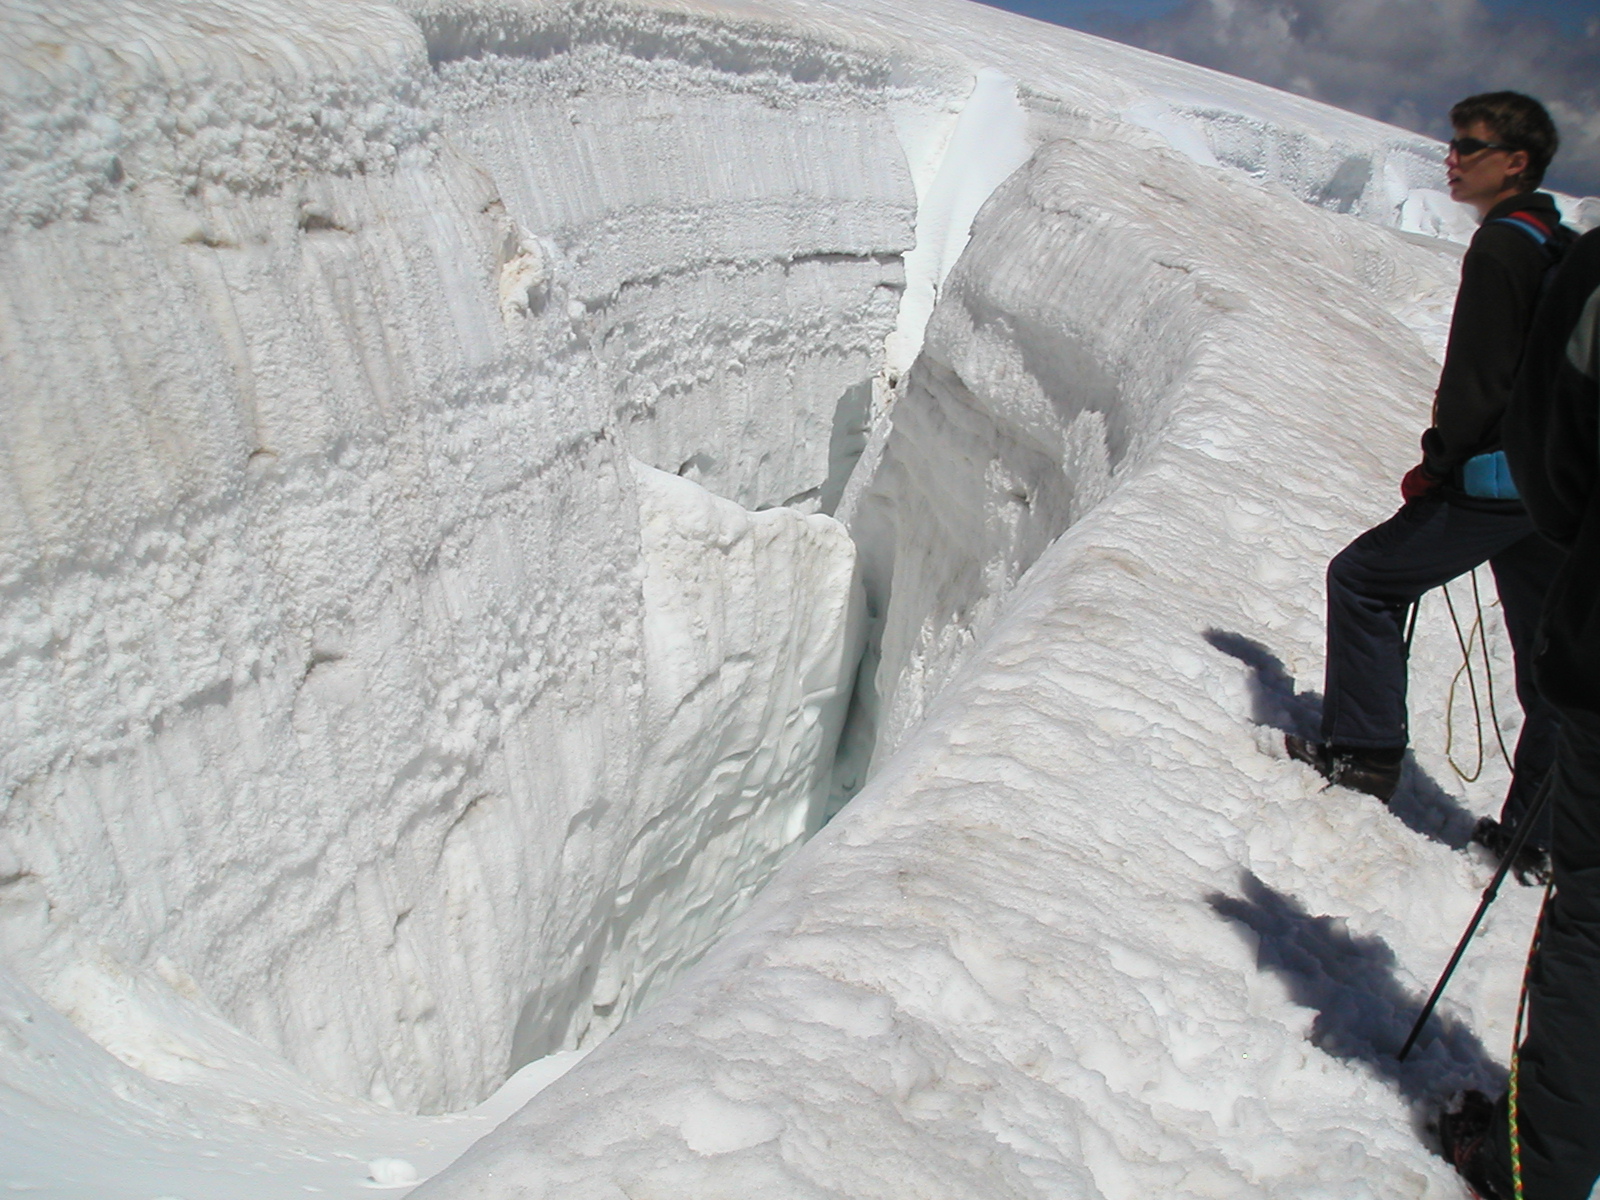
{"x":1518,"y":839}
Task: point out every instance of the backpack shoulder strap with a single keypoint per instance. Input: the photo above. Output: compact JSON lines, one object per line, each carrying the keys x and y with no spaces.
{"x":1530,"y":225}
{"x":1553,"y":241}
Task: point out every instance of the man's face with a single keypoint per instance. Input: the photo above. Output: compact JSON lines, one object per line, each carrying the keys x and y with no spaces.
{"x":1482,"y":178}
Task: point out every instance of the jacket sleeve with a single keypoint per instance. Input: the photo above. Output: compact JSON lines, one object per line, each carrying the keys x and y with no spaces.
{"x":1500,"y":281}
{"x":1552,"y":428}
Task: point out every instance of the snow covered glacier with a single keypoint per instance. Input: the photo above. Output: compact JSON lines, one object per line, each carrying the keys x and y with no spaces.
{"x":485,"y":481}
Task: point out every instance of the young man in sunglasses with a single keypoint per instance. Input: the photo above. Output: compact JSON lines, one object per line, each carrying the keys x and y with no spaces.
{"x":1460,"y":508}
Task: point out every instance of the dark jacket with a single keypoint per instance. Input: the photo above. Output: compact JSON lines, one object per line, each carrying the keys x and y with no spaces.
{"x":1552,"y":441}
{"x":1501,"y":277}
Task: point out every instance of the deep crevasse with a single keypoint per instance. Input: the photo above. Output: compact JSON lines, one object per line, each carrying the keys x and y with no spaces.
{"x":379,"y":687}
{"x":361,"y":677}
{"x":1069,"y":942}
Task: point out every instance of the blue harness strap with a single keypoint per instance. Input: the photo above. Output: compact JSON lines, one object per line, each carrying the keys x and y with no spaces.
{"x":1528,"y":225}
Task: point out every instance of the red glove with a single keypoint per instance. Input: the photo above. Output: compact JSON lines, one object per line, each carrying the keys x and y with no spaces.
{"x":1418,"y":483}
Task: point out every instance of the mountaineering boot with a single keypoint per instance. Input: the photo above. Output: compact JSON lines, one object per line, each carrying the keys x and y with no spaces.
{"x":1375,"y":772}
{"x":1532,"y":864}
{"x":1464,"y":1138}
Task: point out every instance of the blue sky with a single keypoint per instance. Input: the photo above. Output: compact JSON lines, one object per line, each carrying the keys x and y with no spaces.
{"x":1402,"y":61}
{"x":1570,"y":14}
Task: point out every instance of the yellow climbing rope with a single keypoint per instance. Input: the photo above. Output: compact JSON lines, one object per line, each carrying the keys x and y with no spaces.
{"x":1465,"y":641}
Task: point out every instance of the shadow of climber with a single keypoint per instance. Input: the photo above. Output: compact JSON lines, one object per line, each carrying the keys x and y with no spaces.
{"x":1363,"y":1012}
{"x":1422,"y":805}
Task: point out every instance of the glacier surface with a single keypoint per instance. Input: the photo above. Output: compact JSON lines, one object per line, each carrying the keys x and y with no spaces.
{"x":486,"y":480}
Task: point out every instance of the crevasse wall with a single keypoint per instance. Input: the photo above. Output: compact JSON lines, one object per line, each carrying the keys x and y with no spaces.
{"x":729,"y":247}
{"x":1050,"y":368}
{"x":1047,"y":370}
{"x":356,"y":669}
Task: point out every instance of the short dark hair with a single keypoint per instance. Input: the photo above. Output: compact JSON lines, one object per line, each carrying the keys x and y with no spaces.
{"x":1519,"y":121}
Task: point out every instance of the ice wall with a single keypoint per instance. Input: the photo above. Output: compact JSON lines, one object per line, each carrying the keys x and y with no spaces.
{"x":345,"y":666}
{"x":1048,"y":368}
{"x":730,"y":249}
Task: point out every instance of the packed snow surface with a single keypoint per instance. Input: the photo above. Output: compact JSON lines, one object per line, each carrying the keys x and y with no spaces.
{"x":485,"y":481}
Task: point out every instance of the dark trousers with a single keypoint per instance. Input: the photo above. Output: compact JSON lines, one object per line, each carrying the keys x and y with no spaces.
{"x":1377,"y":577}
{"x":1558,"y":1110}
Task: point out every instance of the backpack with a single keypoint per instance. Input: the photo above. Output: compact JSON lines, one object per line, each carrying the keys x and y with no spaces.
{"x":1488,"y":476}
{"x":1553,"y":242}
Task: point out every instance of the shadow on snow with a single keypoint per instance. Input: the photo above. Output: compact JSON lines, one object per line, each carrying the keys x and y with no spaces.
{"x":1363,"y":1012}
{"x":1421,"y":804}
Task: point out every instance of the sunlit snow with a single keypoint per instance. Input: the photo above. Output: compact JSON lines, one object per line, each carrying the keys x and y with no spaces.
{"x":485,"y":480}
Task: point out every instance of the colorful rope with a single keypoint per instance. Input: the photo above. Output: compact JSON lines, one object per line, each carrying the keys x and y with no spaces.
{"x":1516,"y":1052}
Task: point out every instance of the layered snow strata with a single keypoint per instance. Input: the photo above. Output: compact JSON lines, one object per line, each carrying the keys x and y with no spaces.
{"x":102,"y":96}
{"x":344,"y":664}
{"x":730,"y":247}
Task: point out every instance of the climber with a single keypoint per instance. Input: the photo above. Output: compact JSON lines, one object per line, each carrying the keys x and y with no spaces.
{"x":1460,"y":506}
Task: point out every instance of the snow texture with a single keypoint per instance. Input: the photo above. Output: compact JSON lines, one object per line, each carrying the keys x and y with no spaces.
{"x":456,"y":458}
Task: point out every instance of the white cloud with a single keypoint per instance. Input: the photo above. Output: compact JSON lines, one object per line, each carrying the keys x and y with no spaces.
{"x":1403,"y":61}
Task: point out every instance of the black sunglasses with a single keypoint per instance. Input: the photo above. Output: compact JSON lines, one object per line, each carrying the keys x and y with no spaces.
{"x":1465,"y":147}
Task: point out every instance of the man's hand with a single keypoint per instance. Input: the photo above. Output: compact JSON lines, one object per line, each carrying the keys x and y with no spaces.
{"x":1418,"y":483}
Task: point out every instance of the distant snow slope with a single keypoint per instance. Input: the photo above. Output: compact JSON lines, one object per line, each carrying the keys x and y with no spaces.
{"x":424,"y":628}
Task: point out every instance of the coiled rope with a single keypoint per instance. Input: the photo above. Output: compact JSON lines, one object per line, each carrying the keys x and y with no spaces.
{"x":1465,"y":641}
